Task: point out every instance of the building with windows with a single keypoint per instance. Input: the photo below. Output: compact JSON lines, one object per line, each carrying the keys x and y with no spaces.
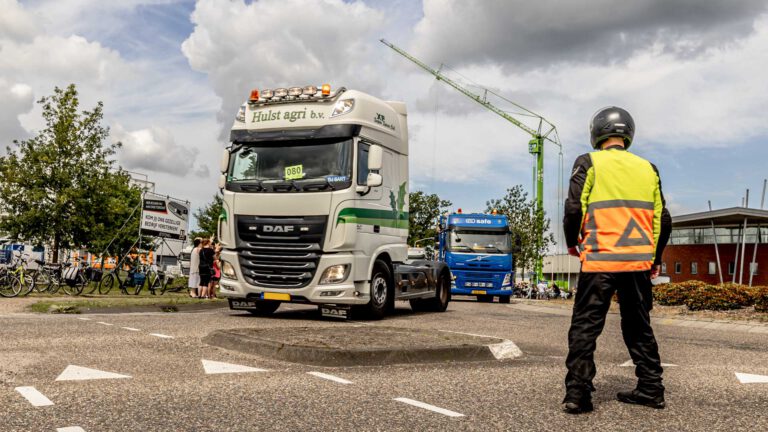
{"x":738,"y":236}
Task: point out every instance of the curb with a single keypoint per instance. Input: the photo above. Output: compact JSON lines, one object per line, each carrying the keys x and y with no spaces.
{"x":676,"y":322}
{"x":323,"y":356}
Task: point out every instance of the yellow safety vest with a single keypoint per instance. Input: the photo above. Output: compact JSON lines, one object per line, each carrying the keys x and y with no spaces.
{"x":621,"y":207}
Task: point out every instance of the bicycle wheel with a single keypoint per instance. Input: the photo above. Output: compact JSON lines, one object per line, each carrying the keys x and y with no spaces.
{"x":79,"y":284}
{"x":107,"y":283}
{"x":10,"y":286}
{"x":55,"y":283}
{"x":41,"y":280}
{"x":139,"y":287}
{"x":27,"y":283}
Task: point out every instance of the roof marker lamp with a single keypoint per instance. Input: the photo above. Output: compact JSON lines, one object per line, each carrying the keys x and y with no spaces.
{"x":326,"y":89}
{"x":281,"y":92}
{"x":240,"y":117}
{"x":342,"y":107}
{"x":267,"y":94}
{"x":295,"y":91}
{"x":310,"y":90}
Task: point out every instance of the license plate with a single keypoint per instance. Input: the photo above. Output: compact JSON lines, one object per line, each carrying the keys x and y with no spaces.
{"x":277,"y":296}
{"x":478,"y":292}
{"x":340,"y":312}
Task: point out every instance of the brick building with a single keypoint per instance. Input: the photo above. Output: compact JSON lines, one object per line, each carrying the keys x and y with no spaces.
{"x":691,"y":254}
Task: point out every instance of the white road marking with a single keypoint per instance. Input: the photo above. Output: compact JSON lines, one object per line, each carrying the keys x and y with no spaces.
{"x":84,"y":319}
{"x":330,"y":377}
{"x":103,"y":323}
{"x":215,"y":367}
{"x":751,"y":378}
{"x":34,"y":397}
{"x":427,"y":406}
{"x":160,"y":335}
{"x":505,"y":350}
{"x":79,"y":373}
{"x":630,"y":363}
{"x":130,"y":328}
{"x":70,"y":429}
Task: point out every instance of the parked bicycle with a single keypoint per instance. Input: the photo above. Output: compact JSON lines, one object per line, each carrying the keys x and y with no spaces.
{"x":10,"y":286}
{"x":132,"y":283}
{"x":19,"y":267}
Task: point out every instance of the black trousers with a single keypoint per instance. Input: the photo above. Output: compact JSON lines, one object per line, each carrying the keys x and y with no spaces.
{"x":593,"y":297}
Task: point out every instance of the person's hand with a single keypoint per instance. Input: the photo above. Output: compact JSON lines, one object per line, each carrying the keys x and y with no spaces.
{"x":573,"y":251}
{"x":655,"y":270}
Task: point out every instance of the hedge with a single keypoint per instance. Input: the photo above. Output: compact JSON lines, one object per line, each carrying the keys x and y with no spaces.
{"x":697,"y":295}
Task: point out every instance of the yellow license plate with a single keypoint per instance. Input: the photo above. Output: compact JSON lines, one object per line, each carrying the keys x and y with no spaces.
{"x":478,"y":292}
{"x":277,"y":296}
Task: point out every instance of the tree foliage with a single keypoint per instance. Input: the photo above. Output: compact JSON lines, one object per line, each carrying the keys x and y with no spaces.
{"x":59,"y":187}
{"x":527,"y":224}
{"x":424,"y":211}
{"x":208,"y":218}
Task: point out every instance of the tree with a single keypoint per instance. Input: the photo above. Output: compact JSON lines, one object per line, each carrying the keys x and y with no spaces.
{"x":423,"y":213}
{"x":59,"y":187}
{"x":208,"y":218}
{"x":529,"y":226}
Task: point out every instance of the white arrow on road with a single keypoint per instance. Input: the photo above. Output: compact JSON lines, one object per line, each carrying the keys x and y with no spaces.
{"x":751,"y":379}
{"x":79,"y":373}
{"x":215,"y":367}
{"x":629,"y":363}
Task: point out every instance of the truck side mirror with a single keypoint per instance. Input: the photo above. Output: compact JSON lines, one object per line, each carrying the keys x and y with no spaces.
{"x":224,"y":167}
{"x":374,"y":180}
{"x":222,"y":181}
{"x":374,"y":158}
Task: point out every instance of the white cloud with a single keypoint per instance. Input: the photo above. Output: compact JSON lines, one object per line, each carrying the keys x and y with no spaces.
{"x":272,"y":43}
{"x":155,"y":149}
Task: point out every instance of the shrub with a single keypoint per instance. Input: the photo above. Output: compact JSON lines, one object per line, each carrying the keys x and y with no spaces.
{"x":719,"y":297}
{"x":760,"y":295}
{"x":675,"y":294}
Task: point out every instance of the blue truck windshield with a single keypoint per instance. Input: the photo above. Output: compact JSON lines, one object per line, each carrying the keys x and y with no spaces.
{"x":310,"y":163}
{"x":487,"y":242}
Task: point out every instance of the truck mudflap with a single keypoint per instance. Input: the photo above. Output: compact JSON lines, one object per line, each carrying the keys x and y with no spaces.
{"x":335,"y":311}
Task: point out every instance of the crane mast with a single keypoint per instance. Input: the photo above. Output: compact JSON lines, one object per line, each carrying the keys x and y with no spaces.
{"x":535,"y":145}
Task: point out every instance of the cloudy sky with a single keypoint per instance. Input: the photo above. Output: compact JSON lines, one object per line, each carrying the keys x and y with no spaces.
{"x":172,"y":73}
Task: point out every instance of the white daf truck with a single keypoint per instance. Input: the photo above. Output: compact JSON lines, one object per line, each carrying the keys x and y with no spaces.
{"x":315,"y":208}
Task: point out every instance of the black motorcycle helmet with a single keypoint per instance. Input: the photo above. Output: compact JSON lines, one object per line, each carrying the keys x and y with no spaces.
{"x":611,"y":122}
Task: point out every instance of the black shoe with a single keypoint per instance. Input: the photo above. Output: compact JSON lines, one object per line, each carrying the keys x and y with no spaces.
{"x":580,"y":407}
{"x":638,"y":398}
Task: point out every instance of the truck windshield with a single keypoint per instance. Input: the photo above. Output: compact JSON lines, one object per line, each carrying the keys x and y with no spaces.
{"x":293,"y":165}
{"x":480,"y":242}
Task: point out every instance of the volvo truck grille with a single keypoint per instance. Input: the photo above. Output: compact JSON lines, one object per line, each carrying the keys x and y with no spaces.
{"x":280,"y":252}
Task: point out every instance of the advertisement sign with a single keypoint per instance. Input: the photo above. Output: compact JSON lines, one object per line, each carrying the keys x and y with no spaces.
{"x":165,"y":217}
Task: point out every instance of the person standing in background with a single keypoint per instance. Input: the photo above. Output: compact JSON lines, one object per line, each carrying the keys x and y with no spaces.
{"x":194,"y":268}
{"x":206,"y":267}
{"x":216,"y":276}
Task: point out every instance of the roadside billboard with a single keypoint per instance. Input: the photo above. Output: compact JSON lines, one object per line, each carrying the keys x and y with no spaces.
{"x":164,"y":217}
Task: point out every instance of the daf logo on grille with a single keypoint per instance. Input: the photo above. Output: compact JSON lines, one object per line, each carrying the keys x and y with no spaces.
{"x":278,"y":228}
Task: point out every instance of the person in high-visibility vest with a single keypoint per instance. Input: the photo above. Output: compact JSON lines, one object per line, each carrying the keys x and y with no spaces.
{"x":617,"y":223}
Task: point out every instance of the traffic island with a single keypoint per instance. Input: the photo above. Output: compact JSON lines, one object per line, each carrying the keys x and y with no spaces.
{"x":363,"y":345}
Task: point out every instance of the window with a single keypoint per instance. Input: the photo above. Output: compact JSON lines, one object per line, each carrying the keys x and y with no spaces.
{"x":663,"y":268}
{"x":362,"y":163}
{"x":678,"y":268}
{"x":694,"y":268}
{"x":712,"y":267}
{"x":731,"y":267}
{"x":753,"y":268}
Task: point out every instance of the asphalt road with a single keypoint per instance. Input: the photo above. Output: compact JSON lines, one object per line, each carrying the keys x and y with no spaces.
{"x":166,"y":387}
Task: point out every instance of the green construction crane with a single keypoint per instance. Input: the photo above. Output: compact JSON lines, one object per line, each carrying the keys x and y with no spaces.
{"x":538,"y":134}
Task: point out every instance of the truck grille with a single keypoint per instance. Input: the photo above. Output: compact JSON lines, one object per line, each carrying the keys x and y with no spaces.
{"x":280,"y":252}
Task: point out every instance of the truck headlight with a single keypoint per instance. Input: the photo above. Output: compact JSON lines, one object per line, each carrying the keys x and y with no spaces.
{"x":335,"y":274}
{"x":507,"y":279}
{"x":228,"y":271}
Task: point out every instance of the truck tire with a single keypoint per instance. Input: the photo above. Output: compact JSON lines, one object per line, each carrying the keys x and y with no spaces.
{"x":439,"y":303}
{"x":485,"y":298}
{"x":382,"y":292}
{"x":504,"y":299}
{"x":265,"y":308}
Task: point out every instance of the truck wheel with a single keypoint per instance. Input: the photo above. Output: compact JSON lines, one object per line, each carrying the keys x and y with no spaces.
{"x":265,"y":307}
{"x":440,"y":302}
{"x":485,"y":298}
{"x":504,"y":299}
{"x":382,"y":298}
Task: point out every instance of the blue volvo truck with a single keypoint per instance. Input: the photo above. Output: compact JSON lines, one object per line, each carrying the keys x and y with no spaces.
{"x":478,"y":251}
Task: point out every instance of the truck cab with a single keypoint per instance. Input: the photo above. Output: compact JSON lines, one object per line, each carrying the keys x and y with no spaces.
{"x":478,"y":250}
{"x":315,"y":206}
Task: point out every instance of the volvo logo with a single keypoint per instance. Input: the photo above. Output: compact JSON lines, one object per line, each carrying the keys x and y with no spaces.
{"x":278,"y":228}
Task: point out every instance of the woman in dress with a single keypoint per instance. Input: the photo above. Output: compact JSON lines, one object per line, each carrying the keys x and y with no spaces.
{"x":194,"y":268}
{"x":206,"y":267}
